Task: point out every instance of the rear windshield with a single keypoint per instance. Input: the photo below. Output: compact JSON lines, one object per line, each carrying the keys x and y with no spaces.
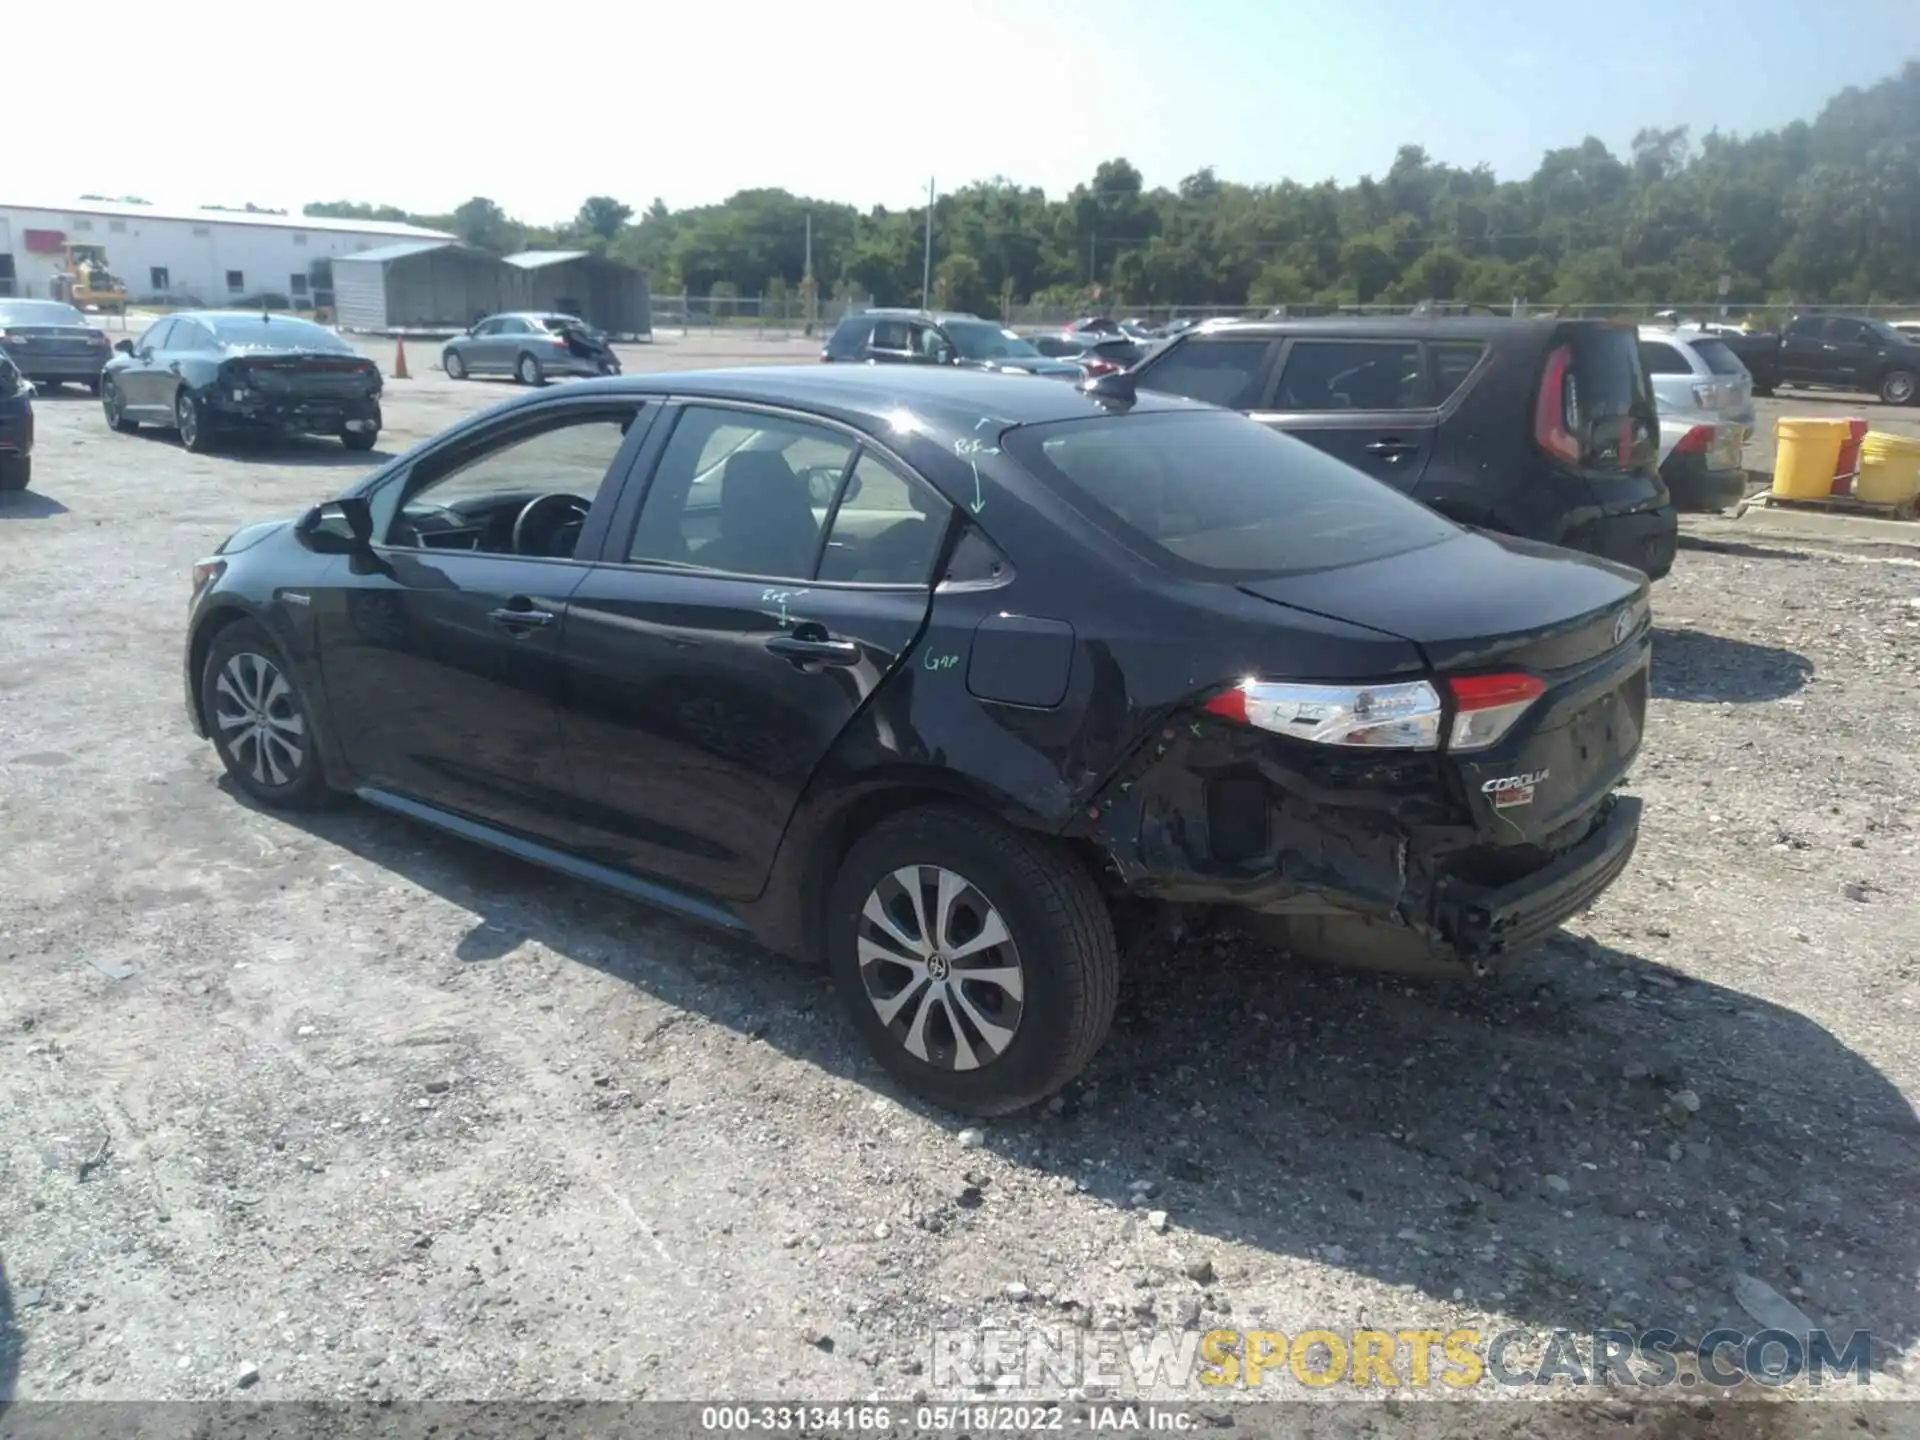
{"x":1222,"y":496}
{"x":254,"y":330}
{"x":1608,"y":402}
{"x":1719,"y":357}
{"x":39,"y":312}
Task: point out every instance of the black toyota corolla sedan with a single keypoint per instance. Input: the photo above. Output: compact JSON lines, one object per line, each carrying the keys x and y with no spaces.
{"x":935,"y":675}
{"x":209,"y":373}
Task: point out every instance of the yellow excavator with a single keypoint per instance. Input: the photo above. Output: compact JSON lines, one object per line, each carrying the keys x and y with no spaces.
{"x":86,"y":282}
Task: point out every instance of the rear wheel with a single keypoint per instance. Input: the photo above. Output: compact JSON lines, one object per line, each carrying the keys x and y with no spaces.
{"x":359,"y":439}
{"x":114,"y":406}
{"x":1897,"y":387}
{"x":531,"y":371}
{"x":978,"y":963}
{"x":16,"y":471}
{"x":259,"y":720}
{"x":189,"y":418}
{"x":93,"y":387}
{"x":455,"y":367}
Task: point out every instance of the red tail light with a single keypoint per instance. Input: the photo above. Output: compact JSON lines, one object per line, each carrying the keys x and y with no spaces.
{"x":1696,"y":441}
{"x":98,"y":337}
{"x":1485,"y":707}
{"x":1550,"y":430}
{"x":1099,"y":367}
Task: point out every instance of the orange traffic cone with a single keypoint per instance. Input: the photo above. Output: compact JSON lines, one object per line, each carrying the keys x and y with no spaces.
{"x":400,"y":360}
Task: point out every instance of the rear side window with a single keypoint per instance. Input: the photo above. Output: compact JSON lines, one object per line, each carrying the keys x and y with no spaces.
{"x":849,"y":337}
{"x":1451,"y":366}
{"x":1218,"y":371}
{"x":1660,"y":358}
{"x":1350,"y":375}
{"x":1719,"y":357}
{"x":891,"y":335}
{"x":1220,"y":496}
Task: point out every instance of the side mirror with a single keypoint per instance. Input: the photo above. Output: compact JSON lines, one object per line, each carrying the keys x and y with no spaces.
{"x":339,"y":527}
{"x":124,"y":347}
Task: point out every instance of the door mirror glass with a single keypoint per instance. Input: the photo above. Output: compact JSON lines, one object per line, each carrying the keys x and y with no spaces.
{"x":339,"y":527}
{"x":124,"y":347}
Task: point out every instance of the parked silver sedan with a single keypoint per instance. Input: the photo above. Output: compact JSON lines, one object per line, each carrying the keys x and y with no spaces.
{"x":532,"y":346}
{"x":53,"y":343}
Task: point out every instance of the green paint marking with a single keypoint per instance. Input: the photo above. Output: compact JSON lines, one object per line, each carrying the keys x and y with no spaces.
{"x":939,"y":662}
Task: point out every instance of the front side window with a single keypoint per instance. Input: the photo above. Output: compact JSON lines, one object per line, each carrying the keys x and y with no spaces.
{"x":849,"y":338}
{"x":741,"y":492}
{"x":476,"y":502}
{"x":1217,"y":495}
{"x":1350,"y":375}
{"x":891,"y":335}
{"x":156,"y":336}
{"x":1218,"y":371}
{"x":187,"y":336}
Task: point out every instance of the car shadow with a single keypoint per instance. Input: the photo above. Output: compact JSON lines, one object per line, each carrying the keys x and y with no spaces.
{"x":315,"y":450}
{"x":1590,"y":1139}
{"x":69,"y":391}
{"x":1690,"y":665}
{"x":29,"y":505}
{"x":13,"y":1342}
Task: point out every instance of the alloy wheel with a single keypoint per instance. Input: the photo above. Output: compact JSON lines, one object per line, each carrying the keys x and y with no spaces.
{"x":187,"y":419}
{"x":257,"y":717}
{"x":110,"y":402}
{"x":940,"y":968}
{"x":1899,"y":389}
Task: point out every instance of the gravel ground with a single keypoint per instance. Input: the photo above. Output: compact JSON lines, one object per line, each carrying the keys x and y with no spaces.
{"x":339,"y":1108}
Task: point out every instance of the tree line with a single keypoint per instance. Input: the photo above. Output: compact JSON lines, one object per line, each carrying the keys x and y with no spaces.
{"x":1826,"y":211}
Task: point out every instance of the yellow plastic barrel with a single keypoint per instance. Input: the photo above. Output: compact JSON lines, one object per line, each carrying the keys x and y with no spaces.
{"x":1809,"y":450}
{"x":1889,"y":469}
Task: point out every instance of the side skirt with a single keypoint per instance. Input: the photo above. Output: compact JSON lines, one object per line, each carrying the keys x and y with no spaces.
{"x":645,"y":891}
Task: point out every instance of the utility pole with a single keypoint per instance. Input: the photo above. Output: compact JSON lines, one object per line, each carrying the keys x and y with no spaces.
{"x":806,"y":278}
{"x":926,"y":269}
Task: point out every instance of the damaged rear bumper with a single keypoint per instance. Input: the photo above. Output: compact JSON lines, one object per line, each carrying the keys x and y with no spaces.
{"x":1365,"y":840}
{"x":305,"y":415}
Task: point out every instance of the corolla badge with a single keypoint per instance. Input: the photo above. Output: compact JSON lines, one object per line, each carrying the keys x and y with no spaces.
{"x":1622,"y":625}
{"x":1511,"y":790}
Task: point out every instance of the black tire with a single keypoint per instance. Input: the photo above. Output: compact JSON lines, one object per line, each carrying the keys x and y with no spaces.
{"x":93,"y":387}
{"x":252,"y":765}
{"x":16,"y":472}
{"x":113,"y":407}
{"x":1898,"y":387}
{"x":1763,"y":388}
{"x":190,"y":420}
{"x":359,"y":439}
{"x":529,"y":371}
{"x":1060,"y":942}
{"x":454,"y":365}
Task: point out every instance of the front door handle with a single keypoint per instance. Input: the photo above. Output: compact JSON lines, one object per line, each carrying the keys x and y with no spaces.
{"x":815,"y":647}
{"x":1392,"y":449}
{"x":511,"y":617}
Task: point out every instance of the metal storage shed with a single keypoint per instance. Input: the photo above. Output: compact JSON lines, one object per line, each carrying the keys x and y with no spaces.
{"x":423,"y":285}
{"x":603,"y":292}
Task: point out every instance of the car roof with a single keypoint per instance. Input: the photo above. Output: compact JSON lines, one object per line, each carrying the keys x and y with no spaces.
{"x":282,"y":317}
{"x":1394,"y":327}
{"x":903,"y":312}
{"x":868,"y":397}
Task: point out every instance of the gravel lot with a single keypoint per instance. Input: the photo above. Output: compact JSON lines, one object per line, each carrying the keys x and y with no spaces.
{"x":338,"y":1107}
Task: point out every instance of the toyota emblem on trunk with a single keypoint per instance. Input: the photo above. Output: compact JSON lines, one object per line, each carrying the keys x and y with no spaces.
{"x":1623,"y":625}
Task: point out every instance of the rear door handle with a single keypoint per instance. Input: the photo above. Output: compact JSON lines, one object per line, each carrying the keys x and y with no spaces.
{"x":819,"y":649}
{"x":1392,"y":449}
{"x":511,"y":617}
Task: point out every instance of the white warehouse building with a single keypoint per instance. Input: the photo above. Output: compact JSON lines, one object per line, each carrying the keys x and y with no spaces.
{"x":185,"y":257}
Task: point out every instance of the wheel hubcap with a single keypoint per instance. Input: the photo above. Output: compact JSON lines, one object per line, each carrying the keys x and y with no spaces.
{"x":526,"y":371}
{"x":1900,"y":391}
{"x":111,"y":398}
{"x":257,"y":717}
{"x":940,"y":968}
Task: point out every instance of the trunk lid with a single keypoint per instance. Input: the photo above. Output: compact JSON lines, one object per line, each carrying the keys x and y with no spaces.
{"x":314,"y":375}
{"x":52,"y":339}
{"x":1485,"y":604}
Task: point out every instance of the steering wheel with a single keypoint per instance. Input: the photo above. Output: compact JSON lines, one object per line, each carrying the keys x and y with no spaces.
{"x":544,"y":517}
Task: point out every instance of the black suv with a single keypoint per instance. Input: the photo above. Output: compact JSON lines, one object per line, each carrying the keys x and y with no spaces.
{"x":1545,"y":429}
{"x":1843,"y":351}
{"x":927,"y":337}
